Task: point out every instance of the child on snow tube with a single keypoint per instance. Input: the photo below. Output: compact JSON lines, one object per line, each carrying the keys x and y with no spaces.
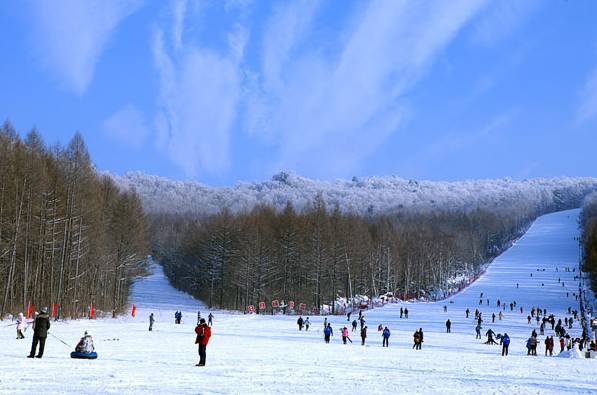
{"x":84,"y":349}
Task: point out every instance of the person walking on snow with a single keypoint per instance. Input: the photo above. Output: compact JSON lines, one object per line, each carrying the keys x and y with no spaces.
{"x":307,"y":323}
{"x":354,"y":325}
{"x":344,"y":332}
{"x":493,"y":317}
{"x":210,"y":319}
{"x":151,"y":321}
{"x":401,"y":312}
{"x":21,"y":325}
{"x":448,"y":325}
{"x":467,"y":312}
{"x":386,"y":337}
{"x":203,"y":332}
{"x":327,"y":332}
{"x":505,"y":344}
{"x":406,"y":313}
{"x":445,"y":309}
{"x":363,"y":335}
{"x":478,"y":330}
{"x":500,"y":315}
{"x":300,"y":322}
{"x":40,"y":333}
{"x":348,"y":316}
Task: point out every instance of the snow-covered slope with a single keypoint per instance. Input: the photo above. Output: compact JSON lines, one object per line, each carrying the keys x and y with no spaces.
{"x":362,"y":195}
{"x":251,"y":354}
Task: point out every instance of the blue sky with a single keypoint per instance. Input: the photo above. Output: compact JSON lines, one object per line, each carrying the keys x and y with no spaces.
{"x":222,"y":91}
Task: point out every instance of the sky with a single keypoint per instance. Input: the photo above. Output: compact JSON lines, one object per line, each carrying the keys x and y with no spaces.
{"x":222,"y":91}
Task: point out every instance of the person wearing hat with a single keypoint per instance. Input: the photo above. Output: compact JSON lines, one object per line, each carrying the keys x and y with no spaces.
{"x":203,"y":332}
{"x":40,"y":333}
{"x":85,"y":344}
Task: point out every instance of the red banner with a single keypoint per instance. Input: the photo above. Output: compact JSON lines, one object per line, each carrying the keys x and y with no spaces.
{"x":29,"y":310}
{"x":54,"y":310}
{"x":133,"y":311}
{"x":261,"y":305}
{"x":291,"y":304}
{"x":92,"y":311}
{"x":251,"y":308}
{"x":275,"y":303}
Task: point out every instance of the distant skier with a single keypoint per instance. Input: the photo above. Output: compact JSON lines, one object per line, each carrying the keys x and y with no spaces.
{"x":528,"y":319}
{"x":40,"y":333}
{"x":203,"y":332}
{"x":210,"y":319}
{"x":448,"y":326}
{"x":406,"y":313}
{"x":478,"y":331}
{"x":386,"y":337}
{"x":445,"y":309}
{"x":354,"y":325}
{"x":500,"y":315}
{"x":505,"y":344}
{"x":21,"y":325}
{"x":307,"y":323}
{"x":327,"y":332}
{"x":467,"y":312}
{"x":363,"y":335}
{"x":348,"y":316}
{"x":151,"y":321}
{"x":401,"y":312}
{"x":300,"y":322}
{"x":493,"y":317}
{"x":490,"y":335}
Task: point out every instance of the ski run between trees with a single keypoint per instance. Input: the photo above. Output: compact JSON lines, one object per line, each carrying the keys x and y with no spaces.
{"x":268,"y":354}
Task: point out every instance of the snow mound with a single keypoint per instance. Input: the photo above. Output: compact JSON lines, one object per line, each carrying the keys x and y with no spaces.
{"x":573,"y":353}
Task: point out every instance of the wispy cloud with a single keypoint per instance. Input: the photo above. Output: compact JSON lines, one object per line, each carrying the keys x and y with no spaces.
{"x":340,"y":109}
{"x":128,"y":126}
{"x":588,"y":106}
{"x":70,"y":35}
{"x":199,"y":93}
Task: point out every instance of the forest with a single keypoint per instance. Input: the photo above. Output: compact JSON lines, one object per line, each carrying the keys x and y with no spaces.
{"x":321,"y":254}
{"x":70,"y":240}
{"x":588,"y":219}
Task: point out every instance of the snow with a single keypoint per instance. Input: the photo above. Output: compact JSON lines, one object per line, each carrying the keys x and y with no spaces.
{"x":366,"y":195}
{"x":250,"y":354}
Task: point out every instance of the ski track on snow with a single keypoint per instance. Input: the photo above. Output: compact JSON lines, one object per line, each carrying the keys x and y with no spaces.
{"x":251,"y":354}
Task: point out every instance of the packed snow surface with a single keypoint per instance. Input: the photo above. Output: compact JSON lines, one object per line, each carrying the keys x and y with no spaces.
{"x":250,"y":354}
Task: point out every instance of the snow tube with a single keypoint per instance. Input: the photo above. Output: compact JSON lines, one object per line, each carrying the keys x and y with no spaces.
{"x":83,"y":355}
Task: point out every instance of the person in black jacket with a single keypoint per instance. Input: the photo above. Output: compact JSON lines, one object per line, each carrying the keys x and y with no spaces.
{"x":40,"y":333}
{"x":448,"y":326}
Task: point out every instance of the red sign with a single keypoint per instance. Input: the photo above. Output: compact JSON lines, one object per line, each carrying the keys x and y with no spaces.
{"x":92,"y":311}
{"x":275,"y":303}
{"x":251,"y":308}
{"x":291,"y":304}
{"x":133,"y":311}
{"x":302,"y":307}
{"x":261,"y":305}
{"x":29,"y":310}
{"x":54,"y":309}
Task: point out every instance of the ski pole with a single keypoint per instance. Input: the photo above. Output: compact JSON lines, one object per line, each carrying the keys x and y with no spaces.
{"x":60,"y":340}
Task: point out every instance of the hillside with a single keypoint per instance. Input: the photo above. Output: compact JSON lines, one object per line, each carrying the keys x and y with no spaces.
{"x":368,"y":195}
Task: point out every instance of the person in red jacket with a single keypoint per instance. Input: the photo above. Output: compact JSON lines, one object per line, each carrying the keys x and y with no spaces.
{"x":203,"y":332}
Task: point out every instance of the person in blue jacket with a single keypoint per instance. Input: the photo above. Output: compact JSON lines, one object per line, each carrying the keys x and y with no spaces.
{"x":386,"y":337}
{"x":505,"y":344}
{"x":327,"y":332}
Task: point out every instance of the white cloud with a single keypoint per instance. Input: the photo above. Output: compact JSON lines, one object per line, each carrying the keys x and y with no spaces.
{"x":588,"y":107}
{"x":341,"y":109}
{"x":71,"y":34}
{"x":127,"y":126}
{"x":199,"y":93}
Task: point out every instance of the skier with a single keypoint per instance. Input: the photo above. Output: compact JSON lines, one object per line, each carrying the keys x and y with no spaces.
{"x":401,"y":312}
{"x":386,"y":337}
{"x":327,"y":332}
{"x":493,"y":317}
{"x":505,"y":344}
{"x":406,"y":313}
{"x":40,"y":333}
{"x":498,"y":303}
{"x":300,"y":322}
{"x":203,"y":332}
{"x":445,"y":309}
{"x":307,"y":323}
{"x":363,"y":335}
{"x":21,"y":325}
{"x":354,"y":325}
{"x":448,"y":325}
{"x":467,"y":312}
{"x":490,"y":335}
{"x":151,"y":321}
{"x":478,"y":330}
{"x":344,"y":332}
{"x":210,"y":319}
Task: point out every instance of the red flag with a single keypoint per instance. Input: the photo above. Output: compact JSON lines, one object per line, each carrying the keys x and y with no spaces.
{"x":92,"y":311}
{"x":29,"y":311}
{"x":54,"y":309}
{"x":133,"y":311}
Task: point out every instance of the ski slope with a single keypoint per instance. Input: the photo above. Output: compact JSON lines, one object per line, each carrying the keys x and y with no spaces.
{"x":251,"y":354}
